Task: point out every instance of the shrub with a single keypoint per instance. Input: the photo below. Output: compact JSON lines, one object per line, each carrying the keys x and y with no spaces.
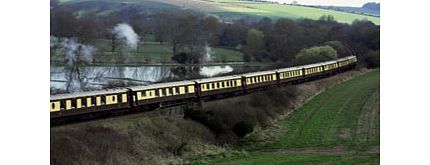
{"x":316,"y":54}
{"x":372,"y":59}
{"x":243,"y":128}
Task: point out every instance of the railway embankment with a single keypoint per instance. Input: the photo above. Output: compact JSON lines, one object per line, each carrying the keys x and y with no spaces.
{"x":140,"y":139}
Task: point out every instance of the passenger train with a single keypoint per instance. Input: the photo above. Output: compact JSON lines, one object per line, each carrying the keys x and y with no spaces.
{"x":64,"y":105}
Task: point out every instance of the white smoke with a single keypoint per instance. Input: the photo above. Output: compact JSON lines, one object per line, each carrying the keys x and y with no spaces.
{"x":210,"y":71}
{"x":53,"y":41}
{"x":76,"y":52}
{"x":126,"y":33}
{"x":207,"y":56}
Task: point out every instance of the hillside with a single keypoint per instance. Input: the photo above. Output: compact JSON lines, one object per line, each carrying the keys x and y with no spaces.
{"x":338,"y":126}
{"x":228,"y":9}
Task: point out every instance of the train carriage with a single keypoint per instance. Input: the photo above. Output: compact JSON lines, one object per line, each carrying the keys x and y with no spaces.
{"x":290,"y":74}
{"x":84,"y":102}
{"x":163,"y":92}
{"x":259,"y":79}
{"x":219,"y":85}
{"x":346,"y":62}
{"x":312,"y":69}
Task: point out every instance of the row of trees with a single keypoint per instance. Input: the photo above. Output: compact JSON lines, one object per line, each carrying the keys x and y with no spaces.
{"x":188,"y":32}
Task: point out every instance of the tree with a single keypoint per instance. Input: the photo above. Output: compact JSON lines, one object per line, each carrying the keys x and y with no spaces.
{"x":254,"y":45}
{"x":63,"y":23}
{"x":315,"y":54}
{"x":212,"y":28}
{"x":88,"y":28}
{"x":372,"y":59}
{"x":233,"y":34}
{"x":341,"y":49}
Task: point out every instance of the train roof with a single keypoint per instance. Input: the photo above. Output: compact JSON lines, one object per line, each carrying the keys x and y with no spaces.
{"x":259,"y":73}
{"x":346,"y":58}
{"x":161,"y":85}
{"x":311,"y":65}
{"x":218,"y":78}
{"x":290,"y":69}
{"x":328,"y":62}
{"x":87,"y":93}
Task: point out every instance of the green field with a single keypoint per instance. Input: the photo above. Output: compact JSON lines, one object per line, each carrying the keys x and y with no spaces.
{"x":152,"y":52}
{"x":233,"y":7}
{"x":296,"y":12}
{"x":338,"y":126}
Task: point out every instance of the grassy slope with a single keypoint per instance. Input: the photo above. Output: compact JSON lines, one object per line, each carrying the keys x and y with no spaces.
{"x":336,"y":117}
{"x":339,"y":126}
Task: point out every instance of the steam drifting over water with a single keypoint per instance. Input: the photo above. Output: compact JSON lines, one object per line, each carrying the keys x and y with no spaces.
{"x":126,"y":33}
{"x":75,"y":52}
{"x":210,"y":71}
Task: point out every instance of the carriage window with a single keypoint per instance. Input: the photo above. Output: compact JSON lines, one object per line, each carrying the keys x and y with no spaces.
{"x":213,"y":85}
{"x":186,"y":89}
{"x":163,"y":92}
{"x":177,"y":90}
{"x":168,"y":91}
{"x":217,"y":85}
{"x":234,"y":83}
{"x":52,"y":105}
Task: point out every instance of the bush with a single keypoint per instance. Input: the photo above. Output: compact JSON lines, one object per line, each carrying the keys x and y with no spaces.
{"x":181,"y":58}
{"x":372,"y":59}
{"x":243,"y":128}
{"x":316,"y":54}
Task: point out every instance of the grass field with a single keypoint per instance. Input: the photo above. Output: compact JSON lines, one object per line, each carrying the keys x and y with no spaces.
{"x":153,"y":52}
{"x":338,"y":126}
{"x":295,"y":12}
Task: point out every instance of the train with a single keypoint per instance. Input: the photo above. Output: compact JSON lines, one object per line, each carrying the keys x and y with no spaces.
{"x":170,"y":93}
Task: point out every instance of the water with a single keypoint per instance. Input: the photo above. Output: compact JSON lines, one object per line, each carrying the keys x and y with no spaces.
{"x":74,"y":79}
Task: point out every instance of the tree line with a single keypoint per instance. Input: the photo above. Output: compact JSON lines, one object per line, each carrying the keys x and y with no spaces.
{"x":187,"y":32}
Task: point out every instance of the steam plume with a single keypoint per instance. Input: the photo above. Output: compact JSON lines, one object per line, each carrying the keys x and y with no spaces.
{"x":126,"y":33}
{"x":75,"y":52}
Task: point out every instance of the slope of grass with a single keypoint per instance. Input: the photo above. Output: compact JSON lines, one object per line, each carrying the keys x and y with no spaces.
{"x":338,"y":126}
{"x":259,"y":158}
{"x":342,"y":115}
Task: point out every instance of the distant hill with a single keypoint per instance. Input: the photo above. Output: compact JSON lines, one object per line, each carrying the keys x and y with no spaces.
{"x":226,"y":9}
{"x":371,"y":6}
